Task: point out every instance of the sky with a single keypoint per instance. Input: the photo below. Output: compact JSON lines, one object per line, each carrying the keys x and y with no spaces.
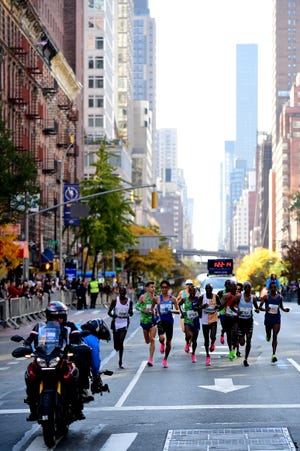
{"x":196,"y":51}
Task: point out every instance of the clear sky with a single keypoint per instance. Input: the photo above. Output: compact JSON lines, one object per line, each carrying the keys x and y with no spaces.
{"x":196,"y":45}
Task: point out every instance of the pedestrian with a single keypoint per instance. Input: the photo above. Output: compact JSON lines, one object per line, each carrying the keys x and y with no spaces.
{"x":81,"y":291}
{"x":273,"y":304}
{"x":189,"y":308}
{"x":273,"y":278}
{"x":166,"y":306}
{"x":93,"y":290}
{"x":245,"y":318}
{"x":120,"y":310}
{"x":147,"y":321}
{"x":208,"y":304}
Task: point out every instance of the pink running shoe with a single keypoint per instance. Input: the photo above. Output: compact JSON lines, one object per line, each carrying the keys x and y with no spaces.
{"x":162,"y":348}
{"x":150,"y":362}
{"x":194,"y":358}
{"x":222,"y":340}
{"x":187,"y":348}
{"x":212,"y":347}
{"x":165,"y":363}
{"x":207,"y":361}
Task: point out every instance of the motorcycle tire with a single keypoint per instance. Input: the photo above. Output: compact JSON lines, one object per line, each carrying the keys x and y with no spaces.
{"x":49,"y":433}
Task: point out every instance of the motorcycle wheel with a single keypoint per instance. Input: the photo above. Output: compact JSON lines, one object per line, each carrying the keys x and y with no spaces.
{"x":48,"y":433}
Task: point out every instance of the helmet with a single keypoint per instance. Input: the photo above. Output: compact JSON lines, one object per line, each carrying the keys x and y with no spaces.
{"x":55,"y":310}
{"x":98,"y":327}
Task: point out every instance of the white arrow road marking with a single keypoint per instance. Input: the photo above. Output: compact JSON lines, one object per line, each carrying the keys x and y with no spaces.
{"x":224,"y":385}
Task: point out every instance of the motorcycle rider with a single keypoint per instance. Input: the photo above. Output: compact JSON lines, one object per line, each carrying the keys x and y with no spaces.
{"x":98,"y":331}
{"x":70,"y":334}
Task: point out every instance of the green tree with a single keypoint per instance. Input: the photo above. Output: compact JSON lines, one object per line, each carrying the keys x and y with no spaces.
{"x":291,"y":261}
{"x":110,"y":214}
{"x":18,"y":175}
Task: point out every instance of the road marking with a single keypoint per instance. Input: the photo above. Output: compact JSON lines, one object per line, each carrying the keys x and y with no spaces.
{"x":224,"y":385}
{"x":295,"y":365}
{"x":136,"y":377}
{"x":120,"y":442}
{"x":175,"y":407}
{"x":3,"y":368}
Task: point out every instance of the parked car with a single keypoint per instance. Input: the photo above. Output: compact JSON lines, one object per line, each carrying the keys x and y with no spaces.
{"x":218,"y":283}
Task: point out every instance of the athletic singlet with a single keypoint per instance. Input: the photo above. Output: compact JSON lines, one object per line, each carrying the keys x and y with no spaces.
{"x":121,"y":310}
{"x":191,"y":316}
{"x":209,"y":315}
{"x":165,"y":309}
{"x":273,"y":305}
{"x":246,"y":308}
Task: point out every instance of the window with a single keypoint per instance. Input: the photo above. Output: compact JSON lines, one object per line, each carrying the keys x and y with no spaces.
{"x":96,"y":81}
{"x":95,"y":101}
{"x":99,"y":41}
{"x":95,"y":62}
{"x":95,"y":120}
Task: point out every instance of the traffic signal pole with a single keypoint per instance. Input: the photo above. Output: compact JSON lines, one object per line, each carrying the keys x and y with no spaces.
{"x":60,"y":206}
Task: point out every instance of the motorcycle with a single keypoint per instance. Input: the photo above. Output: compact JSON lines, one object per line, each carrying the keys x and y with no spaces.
{"x":52,"y":381}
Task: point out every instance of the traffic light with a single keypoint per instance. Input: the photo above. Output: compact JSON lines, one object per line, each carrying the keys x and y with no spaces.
{"x":154,"y":199}
{"x":46,"y":267}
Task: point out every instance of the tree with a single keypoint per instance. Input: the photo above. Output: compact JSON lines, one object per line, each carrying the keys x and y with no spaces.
{"x":110,"y":214}
{"x":8,"y":251}
{"x":291,"y":261}
{"x":18,"y":175}
{"x":257,"y":267}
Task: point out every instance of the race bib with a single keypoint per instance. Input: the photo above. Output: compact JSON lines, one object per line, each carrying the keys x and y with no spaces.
{"x":122,"y":313}
{"x":273,"y":309}
{"x":165,"y":307}
{"x":210,"y":309}
{"x":245,"y":312}
{"x":191,"y":314}
{"x":230,"y":312}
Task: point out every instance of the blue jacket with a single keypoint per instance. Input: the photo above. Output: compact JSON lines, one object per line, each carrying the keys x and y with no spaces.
{"x":94,"y":343}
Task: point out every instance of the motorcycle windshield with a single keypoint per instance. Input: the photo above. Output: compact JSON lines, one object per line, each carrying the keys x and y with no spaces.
{"x":49,"y":335}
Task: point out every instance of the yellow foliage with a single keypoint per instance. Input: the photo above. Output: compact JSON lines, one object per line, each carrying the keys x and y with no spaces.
{"x":8,"y":251}
{"x":257,"y":267}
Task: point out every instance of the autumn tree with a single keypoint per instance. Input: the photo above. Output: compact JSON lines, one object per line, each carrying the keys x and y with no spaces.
{"x":291,"y":261}
{"x":8,"y":251}
{"x":18,"y":175}
{"x":257,"y":267}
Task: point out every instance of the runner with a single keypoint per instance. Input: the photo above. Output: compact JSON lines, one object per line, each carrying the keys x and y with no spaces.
{"x":182,"y":295}
{"x":191,"y":320}
{"x":209,"y":304}
{"x":222,"y":293}
{"x":166,"y":306}
{"x":120,"y":309}
{"x":273,"y":305}
{"x":245,"y":318}
{"x":147,"y":322}
{"x":230,"y":300}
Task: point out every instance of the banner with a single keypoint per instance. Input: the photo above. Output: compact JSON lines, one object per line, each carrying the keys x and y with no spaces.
{"x":71,"y":192}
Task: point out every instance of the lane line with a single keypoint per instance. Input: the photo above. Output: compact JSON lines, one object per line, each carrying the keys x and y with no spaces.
{"x":295,"y":364}
{"x":130,"y":387}
{"x":175,"y":407}
{"x":120,"y":442}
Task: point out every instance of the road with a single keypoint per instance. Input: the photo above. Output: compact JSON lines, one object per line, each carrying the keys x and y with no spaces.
{"x":187,"y":406}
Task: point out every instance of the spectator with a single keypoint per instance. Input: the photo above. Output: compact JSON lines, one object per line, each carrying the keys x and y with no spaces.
{"x":13,"y":291}
{"x":273,"y":278}
{"x":81,"y":295}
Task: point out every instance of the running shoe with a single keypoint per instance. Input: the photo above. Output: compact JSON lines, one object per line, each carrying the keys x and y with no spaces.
{"x":232,"y":354}
{"x":212,"y":347}
{"x":187,"y":348}
{"x":165,"y":363}
{"x":246,"y":363}
{"x":162,"y":348}
{"x":150,"y":362}
{"x":222,"y":340}
{"x":207,"y":361}
{"x":194,"y":358}
{"x":274,"y":358}
{"x":238,"y":354}
{"x":268,"y":338}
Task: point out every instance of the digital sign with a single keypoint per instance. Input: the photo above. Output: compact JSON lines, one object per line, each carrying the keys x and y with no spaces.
{"x":223,"y":266}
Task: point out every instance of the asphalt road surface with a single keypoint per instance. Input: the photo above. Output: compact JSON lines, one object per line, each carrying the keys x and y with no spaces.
{"x":187,"y":406}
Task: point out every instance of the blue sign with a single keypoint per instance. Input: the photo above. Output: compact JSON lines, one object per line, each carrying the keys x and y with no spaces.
{"x":71,"y":192}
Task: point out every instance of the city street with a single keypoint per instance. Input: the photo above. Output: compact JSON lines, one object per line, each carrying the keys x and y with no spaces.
{"x":186,"y":406}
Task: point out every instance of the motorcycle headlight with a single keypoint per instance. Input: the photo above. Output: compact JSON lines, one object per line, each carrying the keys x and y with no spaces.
{"x":41,"y":362}
{"x":53,"y":363}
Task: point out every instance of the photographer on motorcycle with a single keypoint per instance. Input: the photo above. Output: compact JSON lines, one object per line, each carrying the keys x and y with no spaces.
{"x":98,"y":331}
{"x":57,"y":311}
